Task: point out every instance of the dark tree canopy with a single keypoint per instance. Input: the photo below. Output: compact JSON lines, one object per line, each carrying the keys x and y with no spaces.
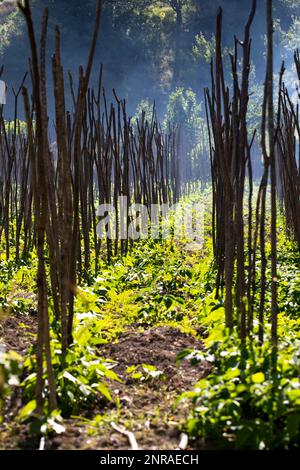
{"x":148,"y":47}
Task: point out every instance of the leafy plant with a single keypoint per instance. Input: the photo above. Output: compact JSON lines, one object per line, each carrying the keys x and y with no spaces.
{"x":245,"y":403}
{"x":10,"y":371}
{"x":145,"y":372}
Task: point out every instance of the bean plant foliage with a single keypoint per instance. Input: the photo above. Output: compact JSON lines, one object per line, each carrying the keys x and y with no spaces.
{"x":134,"y":290}
{"x":246,"y":403}
{"x":73,"y":298}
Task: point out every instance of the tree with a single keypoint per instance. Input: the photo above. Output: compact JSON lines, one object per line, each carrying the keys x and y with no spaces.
{"x":185,"y":111}
{"x":177,"y":6}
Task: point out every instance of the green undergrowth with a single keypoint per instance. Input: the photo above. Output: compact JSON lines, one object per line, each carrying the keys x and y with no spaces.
{"x":244,"y":402}
{"x":251,"y":397}
{"x":156,"y":284}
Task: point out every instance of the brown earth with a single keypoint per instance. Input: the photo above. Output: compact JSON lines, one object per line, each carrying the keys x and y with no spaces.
{"x":148,"y":407}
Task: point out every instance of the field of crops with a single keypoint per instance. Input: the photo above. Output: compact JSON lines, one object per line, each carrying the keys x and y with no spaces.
{"x":144,"y":305}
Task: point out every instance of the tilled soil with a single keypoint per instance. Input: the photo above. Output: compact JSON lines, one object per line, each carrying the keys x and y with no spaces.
{"x":148,"y":408}
{"x":158,"y":347}
{"x":17,"y":332}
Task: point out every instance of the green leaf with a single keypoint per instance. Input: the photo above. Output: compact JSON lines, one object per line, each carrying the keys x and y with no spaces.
{"x":131,"y":369}
{"x":70,"y":377}
{"x":137,"y":375}
{"x":83,"y":336}
{"x":293,"y":394}
{"x":27,"y":410}
{"x":232,"y":373}
{"x":168,"y":302}
{"x":103,"y":389}
{"x":183,"y":354}
{"x":108,"y":373}
{"x":55,"y":426}
{"x":149,"y":367}
{"x":258,"y":378}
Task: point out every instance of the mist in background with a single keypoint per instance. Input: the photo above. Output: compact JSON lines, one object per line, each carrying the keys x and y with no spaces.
{"x":152,"y":51}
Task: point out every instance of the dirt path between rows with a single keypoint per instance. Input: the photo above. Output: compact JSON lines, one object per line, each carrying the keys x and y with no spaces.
{"x":146,"y":406}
